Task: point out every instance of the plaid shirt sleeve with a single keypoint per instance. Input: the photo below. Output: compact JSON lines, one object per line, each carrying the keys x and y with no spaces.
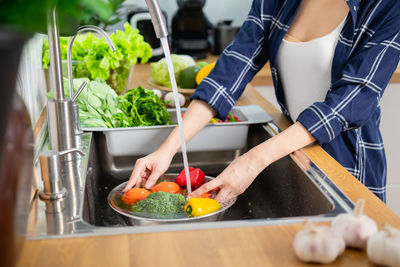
{"x":352,"y":100}
{"x":236,"y":66}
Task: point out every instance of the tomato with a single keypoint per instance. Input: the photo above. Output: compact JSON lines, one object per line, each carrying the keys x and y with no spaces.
{"x":134,"y":195}
{"x":206,"y":195}
{"x":169,"y":187}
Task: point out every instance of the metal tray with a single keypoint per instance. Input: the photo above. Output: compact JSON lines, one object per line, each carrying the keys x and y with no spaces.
{"x":132,"y":141}
{"x":137,"y":219}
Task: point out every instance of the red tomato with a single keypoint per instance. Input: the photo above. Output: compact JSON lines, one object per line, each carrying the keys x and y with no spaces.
{"x":206,"y":195}
{"x":134,"y":195}
{"x":169,"y":187}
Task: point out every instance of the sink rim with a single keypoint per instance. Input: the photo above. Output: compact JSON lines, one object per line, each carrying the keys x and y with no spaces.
{"x":78,"y":227}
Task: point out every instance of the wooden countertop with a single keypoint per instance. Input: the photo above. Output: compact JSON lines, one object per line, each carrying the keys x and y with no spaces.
{"x":245,"y":246}
{"x":262,"y":78}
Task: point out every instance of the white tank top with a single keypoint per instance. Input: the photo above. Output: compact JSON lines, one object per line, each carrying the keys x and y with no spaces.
{"x":305,"y":70}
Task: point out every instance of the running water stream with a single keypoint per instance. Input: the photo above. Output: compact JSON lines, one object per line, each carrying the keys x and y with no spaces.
{"x":165,"y":46}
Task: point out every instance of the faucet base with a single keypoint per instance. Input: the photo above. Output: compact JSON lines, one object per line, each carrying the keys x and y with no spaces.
{"x":52,"y":196}
{"x":61,"y":124}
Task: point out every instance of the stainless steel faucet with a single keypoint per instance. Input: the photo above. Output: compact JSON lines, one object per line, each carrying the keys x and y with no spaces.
{"x":60,"y":112}
{"x":55,"y":55}
{"x":50,"y":165}
{"x":63,"y":117}
{"x":75,"y":106}
{"x":157,"y":18}
{"x":59,"y":109}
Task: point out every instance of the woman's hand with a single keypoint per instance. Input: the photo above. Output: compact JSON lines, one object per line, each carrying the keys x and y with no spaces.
{"x":234,"y":180}
{"x":148,"y":169}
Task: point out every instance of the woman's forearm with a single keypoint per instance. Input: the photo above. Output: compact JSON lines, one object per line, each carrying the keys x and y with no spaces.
{"x":288,"y":141}
{"x":198,"y":114}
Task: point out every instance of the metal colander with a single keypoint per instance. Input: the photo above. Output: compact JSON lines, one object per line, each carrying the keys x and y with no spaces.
{"x":136,"y":218}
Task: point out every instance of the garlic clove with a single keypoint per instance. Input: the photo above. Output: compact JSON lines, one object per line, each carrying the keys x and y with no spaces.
{"x":384,"y":246}
{"x":320,"y":244}
{"x":356,"y":227}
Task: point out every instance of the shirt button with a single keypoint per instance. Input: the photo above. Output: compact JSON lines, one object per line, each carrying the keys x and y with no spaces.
{"x":355,"y":8}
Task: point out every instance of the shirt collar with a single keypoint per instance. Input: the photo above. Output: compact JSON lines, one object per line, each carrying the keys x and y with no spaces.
{"x":353,"y":5}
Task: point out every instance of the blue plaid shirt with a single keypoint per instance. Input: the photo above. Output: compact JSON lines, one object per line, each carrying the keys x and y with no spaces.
{"x":346,"y":124}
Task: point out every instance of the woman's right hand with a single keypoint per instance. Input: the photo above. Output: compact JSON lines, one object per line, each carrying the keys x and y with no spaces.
{"x":148,"y":169}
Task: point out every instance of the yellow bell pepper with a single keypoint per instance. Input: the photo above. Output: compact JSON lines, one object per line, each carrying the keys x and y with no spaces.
{"x":201,"y":206}
{"x":203,"y":72}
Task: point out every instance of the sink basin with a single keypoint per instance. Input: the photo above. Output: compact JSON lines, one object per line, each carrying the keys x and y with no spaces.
{"x":287,"y":191}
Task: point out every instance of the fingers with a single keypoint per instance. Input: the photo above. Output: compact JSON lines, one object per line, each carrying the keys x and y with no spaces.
{"x":135,"y":176}
{"x":223,"y":195}
{"x":206,"y":188}
{"x":146,"y":174}
{"x":152,"y":179}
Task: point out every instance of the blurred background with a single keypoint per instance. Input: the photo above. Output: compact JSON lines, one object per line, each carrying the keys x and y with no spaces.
{"x":195,"y":26}
{"x":235,"y":10}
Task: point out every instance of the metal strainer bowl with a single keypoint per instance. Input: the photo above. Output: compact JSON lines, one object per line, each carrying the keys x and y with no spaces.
{"x":136,"y":218}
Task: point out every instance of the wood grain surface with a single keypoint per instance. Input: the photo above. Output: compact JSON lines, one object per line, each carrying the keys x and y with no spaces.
{"x":245,"y":246}
{"x":262,"y":78}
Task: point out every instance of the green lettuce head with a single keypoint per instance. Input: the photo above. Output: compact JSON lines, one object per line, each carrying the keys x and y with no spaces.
{"x":159,"y":70}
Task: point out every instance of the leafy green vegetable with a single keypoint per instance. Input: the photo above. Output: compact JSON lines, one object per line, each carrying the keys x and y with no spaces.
{"x":161,"y":203}
{"x":100,"y":106}
{"x":144,"y":108}
{"x":95,"y":104}
{"x":94,"y":59}
{"x":159,"y":69}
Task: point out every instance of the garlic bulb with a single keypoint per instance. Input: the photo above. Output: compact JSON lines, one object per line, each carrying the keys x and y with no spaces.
{"x":170,"y":97}
{"x":355,"y":227}
{"x":157,"y":93}
{"x":384,"y":247}
{"x":320,"y":244}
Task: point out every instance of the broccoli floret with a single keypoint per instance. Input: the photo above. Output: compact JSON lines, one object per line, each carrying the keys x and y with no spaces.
{"x":161,"y":203}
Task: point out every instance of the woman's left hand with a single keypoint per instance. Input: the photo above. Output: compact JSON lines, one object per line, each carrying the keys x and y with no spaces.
{"x":233,"y":181}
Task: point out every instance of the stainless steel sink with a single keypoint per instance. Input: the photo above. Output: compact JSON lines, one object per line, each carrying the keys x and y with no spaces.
{"x":288,"y":191}
{"x":283,"y":192}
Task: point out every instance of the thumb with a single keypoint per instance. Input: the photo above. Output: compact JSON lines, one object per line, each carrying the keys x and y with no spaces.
{"x":206,"y":188}
{"x":135,"y":176}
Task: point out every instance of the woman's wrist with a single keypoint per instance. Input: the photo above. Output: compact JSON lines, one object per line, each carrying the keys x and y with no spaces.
{"x":257,"y":160}
{"x":169,"y":148}
{"x":290,"y":140}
